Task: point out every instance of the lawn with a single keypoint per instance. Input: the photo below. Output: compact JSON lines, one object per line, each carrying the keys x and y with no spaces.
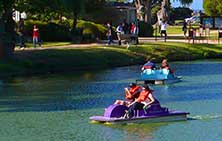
{"x":46,"y":44}
{"x":92,"y":58}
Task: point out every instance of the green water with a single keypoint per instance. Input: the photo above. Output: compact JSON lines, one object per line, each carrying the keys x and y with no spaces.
{"x":57,"y":107}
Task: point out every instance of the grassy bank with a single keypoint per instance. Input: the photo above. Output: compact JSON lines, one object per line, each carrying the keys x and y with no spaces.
{"x":67,"y":60}
{"x":46,"y":44}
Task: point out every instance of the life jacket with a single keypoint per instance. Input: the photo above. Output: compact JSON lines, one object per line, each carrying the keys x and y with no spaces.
{"x":134,"y":93}
{"x":143,"y":95}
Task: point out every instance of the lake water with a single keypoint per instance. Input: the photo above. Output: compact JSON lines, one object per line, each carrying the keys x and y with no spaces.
{"x":58,"y":107}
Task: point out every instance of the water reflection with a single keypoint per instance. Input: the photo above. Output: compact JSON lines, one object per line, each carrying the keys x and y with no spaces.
{"x":135,"y":131}
{"x":40,"y":103}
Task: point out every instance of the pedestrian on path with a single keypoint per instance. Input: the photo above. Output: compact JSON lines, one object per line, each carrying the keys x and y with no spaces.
{"x":109,"y":34}
{"x":35,"y":36}
{"x":163,"y":30}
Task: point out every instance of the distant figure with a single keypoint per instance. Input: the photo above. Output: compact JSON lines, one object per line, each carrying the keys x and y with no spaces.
{"x":119,"y":31}
{"x":130,"y":94}
{"x":159,"y":24}
{"x":134,"y":33}
{"x":125,"y":26}
{"x":109,"y":34}
{"x":149,"y":65}
{"x":35,"y":37}
{"x":184,"y":28}
{"x":21,"y":34}
{"x":165,"y":65}
{"x":163,"y":30}
{"x":201,"y":29}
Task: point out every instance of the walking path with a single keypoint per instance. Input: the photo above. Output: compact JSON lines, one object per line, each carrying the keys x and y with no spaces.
{"x":141,"y":40}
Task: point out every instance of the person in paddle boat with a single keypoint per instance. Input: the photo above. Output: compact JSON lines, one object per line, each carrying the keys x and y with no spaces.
{"x":149,"y":65}
{"x":142,"y":102}
{"x":130,"y":94}
{"x":165,"y":65}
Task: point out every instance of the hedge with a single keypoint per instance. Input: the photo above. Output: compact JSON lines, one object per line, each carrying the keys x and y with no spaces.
{"x":55,"y":31}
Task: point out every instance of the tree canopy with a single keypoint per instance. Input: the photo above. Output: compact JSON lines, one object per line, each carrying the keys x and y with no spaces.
{"x":213,"y":7}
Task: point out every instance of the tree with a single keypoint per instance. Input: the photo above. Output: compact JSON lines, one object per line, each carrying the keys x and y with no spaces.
{"x":7,"y":37}
{"x":75,"y":7}
{"x":180,"y":13}
{"x":44,"y":10}
{"x":145,"y":6}
{"x":213,"y":7}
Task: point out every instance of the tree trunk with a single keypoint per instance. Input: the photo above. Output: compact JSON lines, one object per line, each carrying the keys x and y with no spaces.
{"x":139,"y":10}
{"x":7,"y":41}
{"x":75,"y":16}
{"x":148,"y":11}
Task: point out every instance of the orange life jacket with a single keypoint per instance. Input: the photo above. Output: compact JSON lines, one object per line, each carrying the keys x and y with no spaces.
{"x":132,"y":94}
{"x":143,"y":95}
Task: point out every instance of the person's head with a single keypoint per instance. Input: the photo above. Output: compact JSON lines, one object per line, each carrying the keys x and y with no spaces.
{"x":108,"y":24}
{"x":164,"y":61}
{"x":145,"y":87}
{"x":34,"y":26}
{"x":132,"y":85}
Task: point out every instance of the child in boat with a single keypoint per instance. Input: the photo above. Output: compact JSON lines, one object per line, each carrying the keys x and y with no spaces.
{"x":130,"y":94}
{"x":165,"y":65}
{"x":149,"y":65}
{"x":145,"y":99}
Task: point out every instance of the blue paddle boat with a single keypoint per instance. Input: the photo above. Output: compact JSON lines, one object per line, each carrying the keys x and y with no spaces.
{"x":158,"y":76}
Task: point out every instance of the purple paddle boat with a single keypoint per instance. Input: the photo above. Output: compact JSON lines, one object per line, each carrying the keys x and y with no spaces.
{"x":114,"y":114}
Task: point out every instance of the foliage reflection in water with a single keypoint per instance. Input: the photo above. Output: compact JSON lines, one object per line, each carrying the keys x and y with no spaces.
{"x":57,"y":107}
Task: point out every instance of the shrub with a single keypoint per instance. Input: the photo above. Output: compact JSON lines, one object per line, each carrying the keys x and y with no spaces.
{"x":145,"y":30}
{"x":55,"y":31}
{"x":180,"y":13}
{"x":49,"y":31}
{"x":97,"y":30}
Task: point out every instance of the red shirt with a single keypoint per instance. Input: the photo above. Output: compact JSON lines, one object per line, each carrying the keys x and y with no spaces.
{"x":35,"y":32}
{"x":132,"y":29}
{"x":143,"y":95}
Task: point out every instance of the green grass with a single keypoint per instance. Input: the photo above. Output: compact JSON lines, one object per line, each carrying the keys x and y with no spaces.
{"x":175,"y":32}
{"x":47,"y":44}
{"x":172,"y":30}
{"x":93,"y":58}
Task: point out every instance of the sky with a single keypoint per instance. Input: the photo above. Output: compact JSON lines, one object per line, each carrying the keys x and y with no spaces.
{"x":196,"y":5}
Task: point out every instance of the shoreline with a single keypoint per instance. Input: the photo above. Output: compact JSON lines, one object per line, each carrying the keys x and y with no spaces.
{"x":71,"y":59}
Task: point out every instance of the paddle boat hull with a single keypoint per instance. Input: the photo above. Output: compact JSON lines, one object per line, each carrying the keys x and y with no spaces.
{"x":160,"y":76}
{"x":114,"y":115}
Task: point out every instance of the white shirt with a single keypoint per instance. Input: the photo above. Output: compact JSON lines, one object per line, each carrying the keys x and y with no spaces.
{"x":163,"y":26}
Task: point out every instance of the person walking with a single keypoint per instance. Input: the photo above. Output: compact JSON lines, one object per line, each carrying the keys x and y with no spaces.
{"x":109,"y":34}
{"x":21,"y":34}
{"x":184,"y":28}
{"x":163,"y":30}
{"x":35,"y":36}
{"x":119,"y":32}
